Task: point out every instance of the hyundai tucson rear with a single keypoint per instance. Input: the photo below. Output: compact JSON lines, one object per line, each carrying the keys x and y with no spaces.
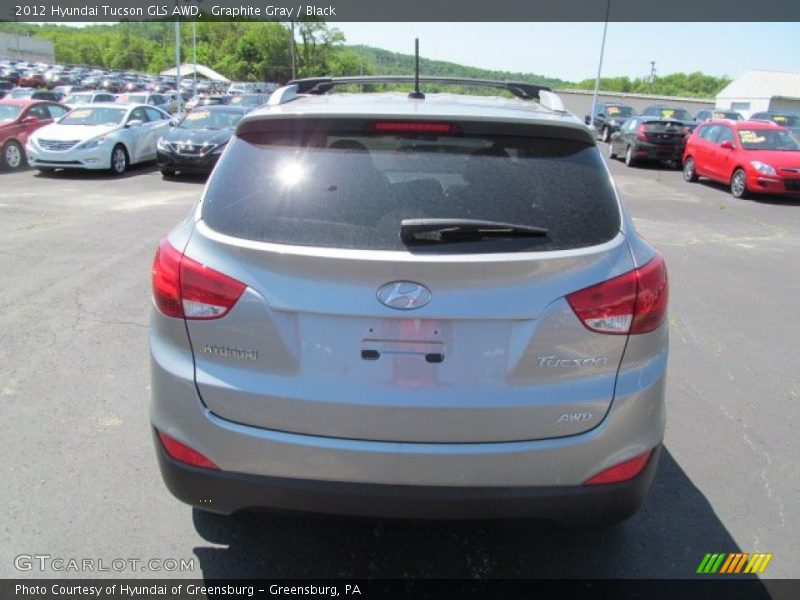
{"x":405,"y":307}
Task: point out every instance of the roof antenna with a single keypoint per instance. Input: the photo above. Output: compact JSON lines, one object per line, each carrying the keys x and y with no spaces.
{"x":416,"y":94}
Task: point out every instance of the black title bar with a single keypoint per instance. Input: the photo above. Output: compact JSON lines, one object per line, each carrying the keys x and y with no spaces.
{"x":402,"y":10}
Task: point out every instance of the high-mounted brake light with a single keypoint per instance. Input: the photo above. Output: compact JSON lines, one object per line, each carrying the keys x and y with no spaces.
{"x":413,"y":127}
{"x":185,"y":454}
{"x":634,"y":302}
{"x":621,"y":472}
{"x":183,"y":287}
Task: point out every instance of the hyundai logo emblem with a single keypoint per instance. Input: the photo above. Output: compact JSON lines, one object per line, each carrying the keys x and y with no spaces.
{"x":404,"y":295}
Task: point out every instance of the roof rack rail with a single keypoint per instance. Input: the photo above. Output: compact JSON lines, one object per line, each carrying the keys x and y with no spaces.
{"x":282,"y":95}
{"x":323,"y":85}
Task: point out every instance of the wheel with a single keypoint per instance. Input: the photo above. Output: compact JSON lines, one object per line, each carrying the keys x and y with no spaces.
{"x":629,"y":160}
{"x":13,"y":155}
{"x":119,"y":160}
{"x":689,"y":174}
{"x":167,"y":173}
{"x":605,"y":135}
{"x":739,"y":184}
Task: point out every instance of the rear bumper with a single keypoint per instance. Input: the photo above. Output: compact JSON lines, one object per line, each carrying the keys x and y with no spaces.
{"x":647,"y":151}
{"x":269,"y":468}
{"x":226,"y":493}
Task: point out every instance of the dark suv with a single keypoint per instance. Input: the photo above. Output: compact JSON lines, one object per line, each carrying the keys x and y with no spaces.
{"x":610,"y":117}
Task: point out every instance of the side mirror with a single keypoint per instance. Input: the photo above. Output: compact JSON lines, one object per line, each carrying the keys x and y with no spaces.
{"x":173,"y":122}
{"x":135,"y":123}
{"x":727,"y":144}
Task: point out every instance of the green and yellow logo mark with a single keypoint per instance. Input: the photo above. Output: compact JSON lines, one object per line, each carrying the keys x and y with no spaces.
{"x":734,"y":562}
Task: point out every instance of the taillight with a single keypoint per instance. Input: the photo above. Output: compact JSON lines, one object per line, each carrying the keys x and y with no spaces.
{"x":413,"y":127}
{"x":621,"y":472}
{"x":185,"y":454}
{"x":652,"y":296}
{"x":634,"y":302}
{"x":183,"y":287}
{"x":640,"y":133}
{"x":166,"y":280}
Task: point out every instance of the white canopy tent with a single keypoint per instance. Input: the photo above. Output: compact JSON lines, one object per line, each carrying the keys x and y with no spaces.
{"x":188,"y":69}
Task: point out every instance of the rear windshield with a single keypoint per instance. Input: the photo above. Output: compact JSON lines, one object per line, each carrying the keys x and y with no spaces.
{"x":733,"y":116}
{"x":619,"y":111}
{"x":674,"y":113}
{"x":786,"y":120}
{"x":664,"y":127}
{"x":353,"y":191}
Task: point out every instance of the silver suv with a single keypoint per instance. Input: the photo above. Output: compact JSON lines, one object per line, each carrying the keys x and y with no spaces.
{"x":410,"y":306}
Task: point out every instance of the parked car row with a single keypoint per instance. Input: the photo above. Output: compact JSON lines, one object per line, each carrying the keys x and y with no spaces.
{"x":750,"y":156}
{"x":610,"y":117}
{"x":113,"y":134}
{"x":53,"y":77}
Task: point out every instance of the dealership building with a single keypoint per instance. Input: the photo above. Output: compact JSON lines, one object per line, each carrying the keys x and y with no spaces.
{"x":756,"y":91}
{"x":29,"y":49}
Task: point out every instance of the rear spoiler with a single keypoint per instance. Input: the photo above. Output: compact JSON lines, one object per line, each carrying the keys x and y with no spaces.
{"x":323,"y":85}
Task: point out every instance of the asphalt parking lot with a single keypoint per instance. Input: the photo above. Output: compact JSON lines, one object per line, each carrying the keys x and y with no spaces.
{"x":78,"y":468}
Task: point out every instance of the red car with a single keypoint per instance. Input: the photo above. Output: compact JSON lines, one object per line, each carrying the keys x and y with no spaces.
{"x":32,"y":79}
{"x":752,"y":157}
{"x":18,"y":119}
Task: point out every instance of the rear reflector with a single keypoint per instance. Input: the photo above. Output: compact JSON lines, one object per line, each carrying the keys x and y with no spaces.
{"x":621,"y":472}
{"x":185,"y":454}
{"x":183,"y":287}
{"x":413,"y":127}
{"x":634,"y":302}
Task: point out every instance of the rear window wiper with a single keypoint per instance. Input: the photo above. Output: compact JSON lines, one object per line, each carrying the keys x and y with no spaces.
{"x":426,"y":231}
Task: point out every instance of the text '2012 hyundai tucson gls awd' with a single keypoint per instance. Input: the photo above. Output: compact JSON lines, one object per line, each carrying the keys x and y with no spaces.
{"x":389,"y":305}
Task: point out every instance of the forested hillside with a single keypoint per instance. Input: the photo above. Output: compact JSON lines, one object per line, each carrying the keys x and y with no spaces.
{"x":260,"y":51}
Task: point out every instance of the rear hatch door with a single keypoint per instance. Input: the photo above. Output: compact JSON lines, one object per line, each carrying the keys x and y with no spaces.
{"x":346,"y":331}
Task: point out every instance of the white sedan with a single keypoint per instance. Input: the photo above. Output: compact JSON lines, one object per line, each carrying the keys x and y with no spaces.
{"x":99,"y":136}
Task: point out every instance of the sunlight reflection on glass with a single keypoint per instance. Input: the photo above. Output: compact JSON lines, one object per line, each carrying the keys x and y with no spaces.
{"x":290,"y":173}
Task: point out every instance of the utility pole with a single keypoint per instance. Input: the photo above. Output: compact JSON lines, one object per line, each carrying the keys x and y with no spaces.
{"x":599,"y":66}
{"x":294,"y":59}
{"x":194,"y":57}
{"x":178,"y":64}
{"x":652,"y":76}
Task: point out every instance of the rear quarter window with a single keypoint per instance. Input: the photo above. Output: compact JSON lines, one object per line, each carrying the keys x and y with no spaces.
{"x":353,"y":190}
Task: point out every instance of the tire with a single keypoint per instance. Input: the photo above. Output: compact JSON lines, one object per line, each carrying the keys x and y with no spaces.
{"x":605,"y":135}
{"x":739,"y":184}
{"x":119,"y":160}
{"x":689,"y":173}
{"x":611,"y":153}
{"x":13,"y":156}
{"x":630,"y":161}
{"x":167,"y":173}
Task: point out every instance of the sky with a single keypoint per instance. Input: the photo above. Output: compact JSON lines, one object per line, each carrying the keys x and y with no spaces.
{"x":571,"y":51}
